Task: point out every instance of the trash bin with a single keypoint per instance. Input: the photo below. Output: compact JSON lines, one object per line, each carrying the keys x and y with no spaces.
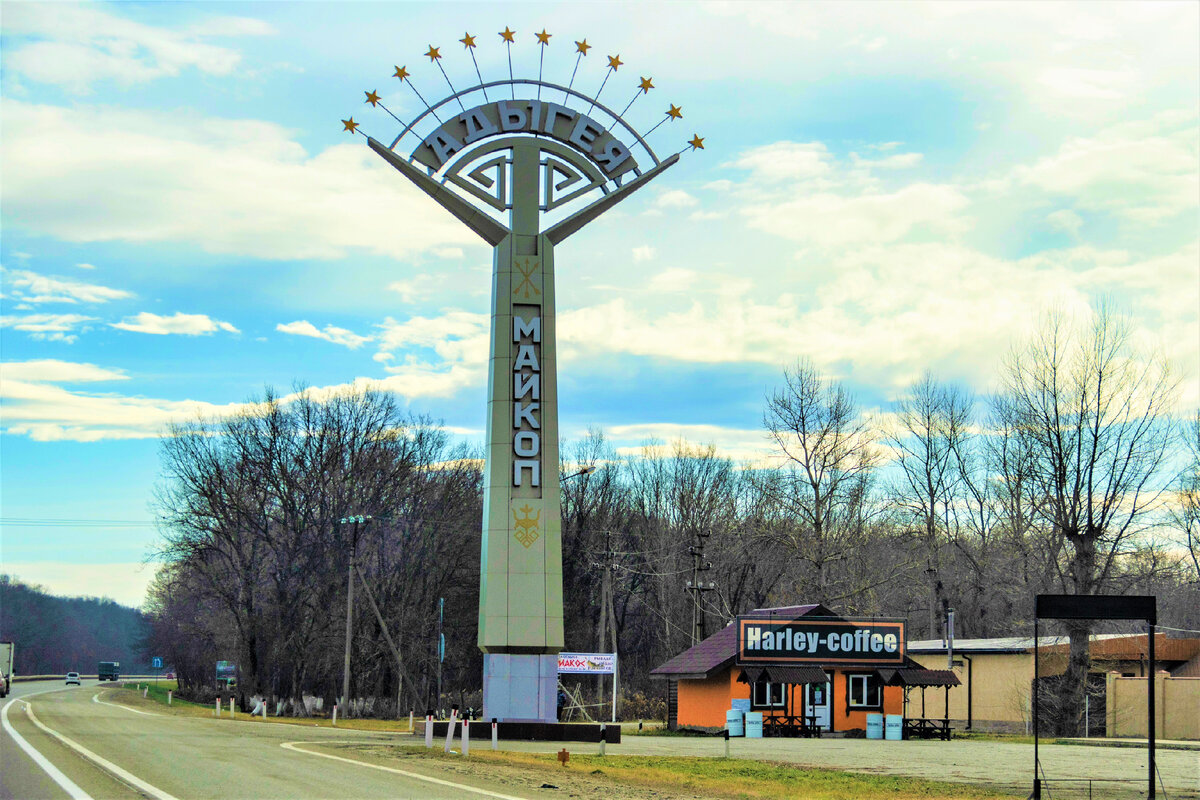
{"x":754,"y":724}
{"x":893,"y":727}
{"x":733,"y":722}
{"x":874,"y":726}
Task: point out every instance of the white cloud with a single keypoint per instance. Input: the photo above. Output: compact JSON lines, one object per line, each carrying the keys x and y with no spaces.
{"x":1065,"y":220}
{"x":330,"y":333}
{"x":31,"y":287}
{"x":675,"y":198}
{"x":897,"y":161}
{"x":86,"y":266}
{"x":738,"y":444}
{"x":76,"y":46}
{"x":178,"y":323}
{"x":786,"y":161}
{"x":99,"y":174}
{"x":54,"y":371}
{"x":47,"y":327}
{"x":125,"y":582}
{"x":643,"y":253}
{"x":675,"y":279}
{"x":723,"y":185}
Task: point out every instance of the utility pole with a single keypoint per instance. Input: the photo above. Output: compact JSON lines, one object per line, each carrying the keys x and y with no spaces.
{"x":441,"y":651}
{"x":357,"y":520}
{"x":697,"y":587}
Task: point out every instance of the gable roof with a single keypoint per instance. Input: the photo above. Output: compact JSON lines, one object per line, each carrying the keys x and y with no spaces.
{"x":718,"y":651}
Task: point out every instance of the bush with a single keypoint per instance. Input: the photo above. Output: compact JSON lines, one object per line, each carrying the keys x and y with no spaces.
{"x":638,"y":705}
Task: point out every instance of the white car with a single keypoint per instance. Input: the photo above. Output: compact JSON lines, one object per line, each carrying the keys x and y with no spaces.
{"x":73,"y":677}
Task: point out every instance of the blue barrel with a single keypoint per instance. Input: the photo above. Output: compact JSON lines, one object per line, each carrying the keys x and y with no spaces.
{"x":753,"y":724}
{"x":733,"y":722}
{"x":893,"y":727}
{"x":874,"y":726}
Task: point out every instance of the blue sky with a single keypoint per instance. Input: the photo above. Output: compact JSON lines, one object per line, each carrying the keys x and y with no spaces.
{"x":885,"y":188}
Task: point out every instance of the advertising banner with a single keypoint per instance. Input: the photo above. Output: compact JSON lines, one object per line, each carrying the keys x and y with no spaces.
{"x":226,"y":670}
{"x":587,"y":663}
{"x":763,"y":640}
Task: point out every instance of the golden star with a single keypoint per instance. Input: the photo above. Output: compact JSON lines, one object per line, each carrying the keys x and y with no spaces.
{"x":614,"y":62}
{"x":697,"y":143}
{"x":583,"y":47}
{"x":350,"y":125}
{"x":372,"y":97}
{"x":543,"y":37}
{"x":508,"y":35}
{"x":433,"y":53}
{"x":675,"y":112}
{"x":401,"y":73}
{"x":645,"y":85}
{"x":468,"y":40}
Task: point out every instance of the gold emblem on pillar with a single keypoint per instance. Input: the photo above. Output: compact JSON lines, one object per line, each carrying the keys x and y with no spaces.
{"x":528,"y":267}
{"x":526,"y":524}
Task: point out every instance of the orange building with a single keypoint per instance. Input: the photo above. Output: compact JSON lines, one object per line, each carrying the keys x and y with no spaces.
{"x":799,"y":686}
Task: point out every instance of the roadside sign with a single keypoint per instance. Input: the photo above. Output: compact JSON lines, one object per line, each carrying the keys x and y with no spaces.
{"x":156,"y":662}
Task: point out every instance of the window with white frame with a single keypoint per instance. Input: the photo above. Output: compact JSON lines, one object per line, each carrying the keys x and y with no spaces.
{"x":768,"y":695}
{"x":863,"y":691}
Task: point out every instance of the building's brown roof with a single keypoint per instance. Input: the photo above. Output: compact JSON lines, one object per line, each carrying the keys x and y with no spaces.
{"x":1136,"y":647}
{"x":794,"y":676}
{"x":918,"y":677}
{"x":719,"y":650}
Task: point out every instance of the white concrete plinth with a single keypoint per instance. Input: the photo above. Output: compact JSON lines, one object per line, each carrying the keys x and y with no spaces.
{"x":520,"y":688}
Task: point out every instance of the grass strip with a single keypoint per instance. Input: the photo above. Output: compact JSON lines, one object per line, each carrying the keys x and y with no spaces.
{"x":734,"y":778}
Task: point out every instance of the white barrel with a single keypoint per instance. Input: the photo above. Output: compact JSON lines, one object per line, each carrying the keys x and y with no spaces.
{"x":874,"y":726}
{"x":754,"y":724}
{"x":733,"y":722}
{"x":893,"y":727}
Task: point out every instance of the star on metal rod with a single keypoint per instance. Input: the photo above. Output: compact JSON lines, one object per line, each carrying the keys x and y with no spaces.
{"x":696,"y":142}
{"x":645,"y":85}
{"x":543,"y":40}
{"x":509,"y":36}
{"x":673,"y":113}
{"x":401,"y":73}
{"x":468,"y":42}
{"x":350,"y":125}
{"x":433,"y":53}
{"x":614,"y":63}
{"x":372,"y":97}
{"x":581,"y":49}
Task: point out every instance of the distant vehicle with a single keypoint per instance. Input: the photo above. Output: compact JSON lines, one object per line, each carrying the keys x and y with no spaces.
{"x":169,"y":676}
{"x":73,"y":677}
{"x":109,"y":671}
{"x":6,"y":667}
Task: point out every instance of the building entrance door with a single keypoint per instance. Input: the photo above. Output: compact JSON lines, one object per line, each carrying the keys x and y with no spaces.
{"x":816,"y":703}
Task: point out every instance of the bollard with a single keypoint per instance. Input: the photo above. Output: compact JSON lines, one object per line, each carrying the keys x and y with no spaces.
{"x":168,"y":697}
{"x":727,"y":742}
{"x":264,"y":709}
{"x":410,"y":722}
{"x":218,"y":714}
{"x":450,"y":729}
{"x":495,"y":735}
{"x":429,"y":730}
{"x":466,"y":736}
{"x":146,"y":692}
{"x":231,"y":709}
{"x":639,"y":726}
{"x":335,"y":715}
{"x":603,"y":736}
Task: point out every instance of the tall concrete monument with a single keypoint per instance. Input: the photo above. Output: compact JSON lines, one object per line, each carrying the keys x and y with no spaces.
{"x":524,"y":163}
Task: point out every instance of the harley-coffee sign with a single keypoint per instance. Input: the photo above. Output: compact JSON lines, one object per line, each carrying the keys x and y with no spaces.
{"x":820,"y":641}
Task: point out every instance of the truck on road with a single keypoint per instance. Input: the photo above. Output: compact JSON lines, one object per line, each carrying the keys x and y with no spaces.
{"x":109,"y":671}
{"x":6,"y":667}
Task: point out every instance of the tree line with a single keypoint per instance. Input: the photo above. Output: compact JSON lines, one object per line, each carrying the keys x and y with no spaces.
{"x":1073,"y":476}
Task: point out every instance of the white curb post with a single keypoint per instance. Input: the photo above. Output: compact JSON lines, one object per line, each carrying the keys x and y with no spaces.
{"x":410,"y":722}
{"x":335,"y":715}
{"x":428,"y":731}
{"x":495,"y":735}
{"x":727,"y":742}
{"x":450,"y":730}
{"x":218,"y":714}
{"x":466,"y":736}
{"x":146,"y":692}
{"x":603,"y":737}
{"x":169,"y":693}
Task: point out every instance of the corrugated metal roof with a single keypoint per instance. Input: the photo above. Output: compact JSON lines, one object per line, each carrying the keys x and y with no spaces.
{"x":1105,"y":646}
{"x":790,"y":675}
{"x":918,"y":677}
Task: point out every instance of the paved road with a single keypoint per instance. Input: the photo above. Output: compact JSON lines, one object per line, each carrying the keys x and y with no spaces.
{"x":138,"y":755}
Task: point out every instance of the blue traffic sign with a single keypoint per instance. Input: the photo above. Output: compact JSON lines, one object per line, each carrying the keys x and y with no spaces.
{"x":156,"y":662}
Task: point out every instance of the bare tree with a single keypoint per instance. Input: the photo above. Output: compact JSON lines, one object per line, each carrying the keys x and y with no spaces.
{"x":1186,"y":511}
{"x":1093,"y":414}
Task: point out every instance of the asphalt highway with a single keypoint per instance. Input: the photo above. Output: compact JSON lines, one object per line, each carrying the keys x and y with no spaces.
{"x":76,"y":745}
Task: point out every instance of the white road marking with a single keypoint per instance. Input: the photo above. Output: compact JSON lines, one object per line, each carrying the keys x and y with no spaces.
{"x":462,"y":786}
{"x":96,"y":699}
{"x":69,"y":786}
{"x":103,"y":763}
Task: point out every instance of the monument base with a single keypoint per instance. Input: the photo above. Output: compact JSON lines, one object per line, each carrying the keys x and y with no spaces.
{"x":520,"y":688}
